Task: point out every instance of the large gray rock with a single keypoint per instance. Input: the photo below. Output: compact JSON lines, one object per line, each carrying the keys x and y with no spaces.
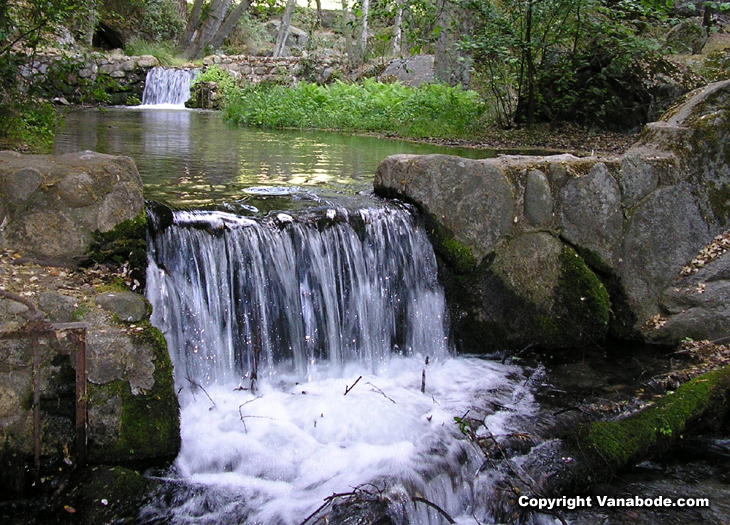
{"x":635,"y":221}
{"x":411,"y":71}
{"x":536,"y":289}
{"x":52,"y":205}
{"x":127,"y":306}
{"x":539,"y":203}
{"x":591,"y":213}
{"x":474,"y":200}
{"x":697,"y":306}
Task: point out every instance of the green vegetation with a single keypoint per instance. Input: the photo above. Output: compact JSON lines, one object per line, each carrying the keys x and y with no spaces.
{"x":28,"y":122}
{"x":561,"y":60}
{"x":431,"y":110}
{"x":125,"y":244}
{"x":226,"y":83}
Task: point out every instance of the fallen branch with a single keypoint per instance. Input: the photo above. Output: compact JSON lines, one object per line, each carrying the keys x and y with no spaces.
{"x":381,"y":392}
{"x":348,"y":388}
{"x":431,"y":504}
{"x":33,"y":313}
{"x":198,"y":385}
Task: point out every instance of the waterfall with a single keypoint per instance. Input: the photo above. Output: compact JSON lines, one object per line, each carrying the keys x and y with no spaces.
{"x":298,"y":296}
{"x":167,"y":86}
{"x":341,"y":315}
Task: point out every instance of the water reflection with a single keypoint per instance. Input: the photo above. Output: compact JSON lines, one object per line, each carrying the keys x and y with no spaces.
{"x":194,"y":159}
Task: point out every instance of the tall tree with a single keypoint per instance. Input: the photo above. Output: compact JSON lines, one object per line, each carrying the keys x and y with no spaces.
{"x":284,"y":27}
{"x":209,"y":23}
{"x":182,"y":9}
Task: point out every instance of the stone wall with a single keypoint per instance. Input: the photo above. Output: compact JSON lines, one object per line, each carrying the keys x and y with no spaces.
{"x":118,"y":79}
{"x":95,"y":77}
{"x":541,"y":250}
{"x":285,"y":70}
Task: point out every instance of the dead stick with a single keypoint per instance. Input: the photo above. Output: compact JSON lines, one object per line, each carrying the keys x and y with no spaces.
{"x":433,"y":506}
{"x":34,"y":313}
{"x":348,"y":388}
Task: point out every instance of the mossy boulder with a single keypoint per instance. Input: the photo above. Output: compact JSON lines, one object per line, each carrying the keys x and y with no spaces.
{"x":534,"y":290}
{"x":52,"y":205}
{"x":133,"y":409}
{"x":635,"y":221}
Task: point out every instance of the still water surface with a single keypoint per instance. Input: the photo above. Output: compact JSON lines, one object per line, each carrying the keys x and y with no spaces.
{"x":194,"y":159}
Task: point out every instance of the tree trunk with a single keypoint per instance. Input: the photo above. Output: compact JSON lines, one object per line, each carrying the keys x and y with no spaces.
{"x":192,"y":26}
{"x":398,"y":29}
{"x":182,"y":9}
{"x":284,"y":29}
{"x":229,"y":23}
{"x":363,"y":43}
{"x":208,"y":28}
{"x":91,"y":23}
{"x":319,"y":12}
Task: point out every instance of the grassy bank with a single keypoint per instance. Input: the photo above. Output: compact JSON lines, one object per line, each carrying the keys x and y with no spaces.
{"x":431,"y":110}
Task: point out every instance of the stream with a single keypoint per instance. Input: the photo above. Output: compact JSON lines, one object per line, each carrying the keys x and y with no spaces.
{"x":310,"y":340}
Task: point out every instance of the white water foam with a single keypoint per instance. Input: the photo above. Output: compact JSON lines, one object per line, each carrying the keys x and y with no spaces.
{"x":342,"y":310}
{"x":275,"y":457}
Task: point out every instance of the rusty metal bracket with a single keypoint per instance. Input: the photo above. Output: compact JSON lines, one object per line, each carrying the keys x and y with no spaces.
{"x":34,"y":330}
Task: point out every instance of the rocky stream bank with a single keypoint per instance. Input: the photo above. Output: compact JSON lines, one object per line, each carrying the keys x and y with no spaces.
{"x":542,"y":252}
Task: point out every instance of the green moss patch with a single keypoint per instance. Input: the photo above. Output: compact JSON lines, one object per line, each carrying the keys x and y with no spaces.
{"x":720,"y":202}
{"x":126,"y":243}
{"x":458,"y":256}
{"x":150,"y":422}
{"x":618,"y":444}
{"x":581,"y":310}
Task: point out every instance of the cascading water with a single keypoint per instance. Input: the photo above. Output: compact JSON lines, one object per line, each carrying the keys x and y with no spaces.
{"x":341,"y":315}
{"x":167,"y":87}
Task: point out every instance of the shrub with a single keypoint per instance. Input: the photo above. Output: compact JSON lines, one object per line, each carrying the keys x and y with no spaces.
{"x":431,"y":110}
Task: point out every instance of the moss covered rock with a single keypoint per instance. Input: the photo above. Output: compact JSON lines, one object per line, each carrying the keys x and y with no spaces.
{"x":133,"y":409}
{"x":53,"y":205}
{"x":535,"y":290}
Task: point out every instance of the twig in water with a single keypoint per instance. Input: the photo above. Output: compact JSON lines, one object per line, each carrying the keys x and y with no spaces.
{"x":380,"y":392}
{"x":348,"y":388}
{"x":198,"y":385}
{"x":423,"y":377}
{"x":433,"y":506}
{"x":242,"y":417}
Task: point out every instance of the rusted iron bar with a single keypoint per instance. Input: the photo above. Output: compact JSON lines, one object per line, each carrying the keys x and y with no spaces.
{"x":35,"y":330}
{"x":79,"y":336}
{"x":36,"y":408}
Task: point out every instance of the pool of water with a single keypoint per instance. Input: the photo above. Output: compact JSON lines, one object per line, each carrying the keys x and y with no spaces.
{"x":194,"y":159}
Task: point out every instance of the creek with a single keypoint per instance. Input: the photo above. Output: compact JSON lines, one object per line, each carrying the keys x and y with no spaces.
{"x":308,"y":332}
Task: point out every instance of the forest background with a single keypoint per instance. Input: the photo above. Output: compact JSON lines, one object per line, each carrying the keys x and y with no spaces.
{"x":531,"y":67}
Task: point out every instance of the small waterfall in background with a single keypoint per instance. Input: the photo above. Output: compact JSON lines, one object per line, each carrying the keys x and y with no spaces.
{"x":167,"y":86}
{"x":341,"y":314}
